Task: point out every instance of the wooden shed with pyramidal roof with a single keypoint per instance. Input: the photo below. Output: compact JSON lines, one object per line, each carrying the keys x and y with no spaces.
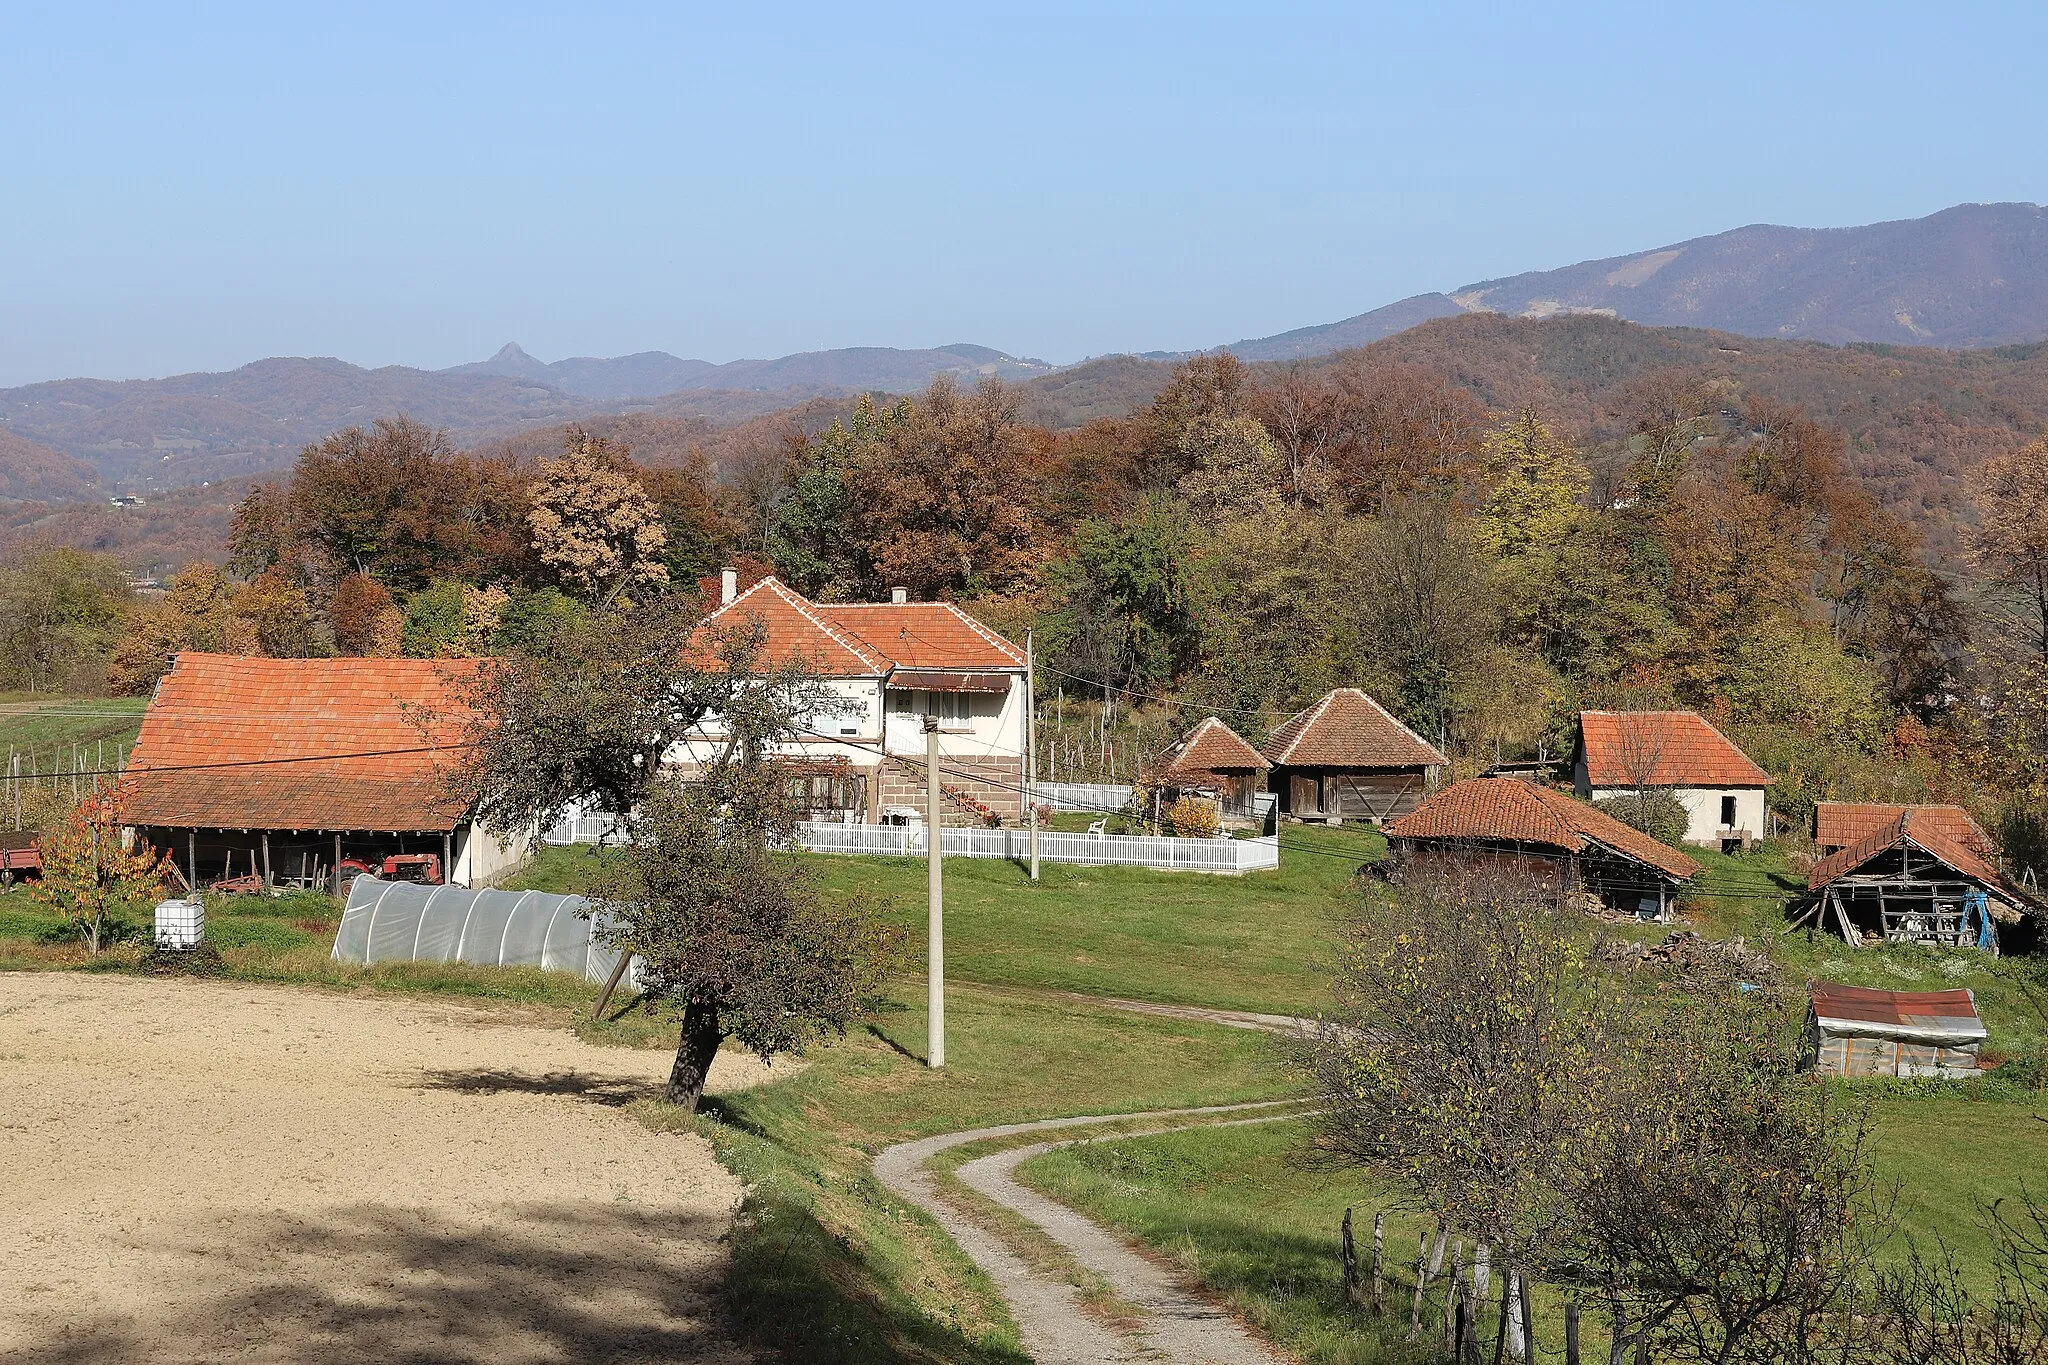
{"x":1348,"y":758}
{"x":1213,"y":760}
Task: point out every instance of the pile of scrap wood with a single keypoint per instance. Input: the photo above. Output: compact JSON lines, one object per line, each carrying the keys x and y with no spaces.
{"x":1687,"y":953}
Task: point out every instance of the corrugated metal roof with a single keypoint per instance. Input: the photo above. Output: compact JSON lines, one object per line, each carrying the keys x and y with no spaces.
{"x":1916,"y":1016}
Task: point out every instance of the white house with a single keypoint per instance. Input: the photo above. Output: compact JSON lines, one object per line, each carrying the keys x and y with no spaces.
{"x":893,"y":663}
{"x":1623,"y":752}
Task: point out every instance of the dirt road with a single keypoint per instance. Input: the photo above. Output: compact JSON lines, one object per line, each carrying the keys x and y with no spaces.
{"x":202,"y":1171}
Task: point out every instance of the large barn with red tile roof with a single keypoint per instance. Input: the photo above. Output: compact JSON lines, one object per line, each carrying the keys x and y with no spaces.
{"x":891,"y":664}
{"x":1625,"y":753}
{"x":1348,"y":758}
{"x":1545,"y":834}
{"x":268,"y":766}
{"x":1914,"y":880}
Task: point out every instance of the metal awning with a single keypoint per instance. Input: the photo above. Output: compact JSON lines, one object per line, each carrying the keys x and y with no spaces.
{"x":928,"y":680}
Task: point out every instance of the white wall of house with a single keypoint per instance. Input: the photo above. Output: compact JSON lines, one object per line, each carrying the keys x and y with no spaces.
{"x":482,"y":856}
{"x":1705,"y":808}
{"x":971,"y":724}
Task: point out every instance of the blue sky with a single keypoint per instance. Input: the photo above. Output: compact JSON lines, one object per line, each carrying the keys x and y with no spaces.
{"x":195,"y":188}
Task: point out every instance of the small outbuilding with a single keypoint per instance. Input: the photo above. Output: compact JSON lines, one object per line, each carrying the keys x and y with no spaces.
{"x":1857,"y":1031}
{"x":1625,"y":753}
{"x":1546,"y":835}
{"x":1212,"y":760}
{"x":1912,"y":880}
{"x":1347,"y":758}
{"x":1844,"y":824}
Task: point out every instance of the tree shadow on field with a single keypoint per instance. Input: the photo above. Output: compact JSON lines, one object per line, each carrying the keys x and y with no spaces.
{"x":582,"y":1282}
{"x":603,"y":1090}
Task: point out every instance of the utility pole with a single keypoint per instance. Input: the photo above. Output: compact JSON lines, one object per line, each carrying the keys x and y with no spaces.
{"x":1031,"y":746}
{"x":935,"y":923}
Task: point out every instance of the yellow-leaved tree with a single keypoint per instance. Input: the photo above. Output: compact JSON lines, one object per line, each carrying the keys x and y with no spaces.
{"x":593,"y":523}
{"x":1535,"y":486}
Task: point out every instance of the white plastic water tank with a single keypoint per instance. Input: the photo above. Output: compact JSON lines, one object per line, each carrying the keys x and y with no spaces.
{"x":180,"y":924}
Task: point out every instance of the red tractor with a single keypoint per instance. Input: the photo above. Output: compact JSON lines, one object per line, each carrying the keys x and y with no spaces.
{"x":423,"y":868}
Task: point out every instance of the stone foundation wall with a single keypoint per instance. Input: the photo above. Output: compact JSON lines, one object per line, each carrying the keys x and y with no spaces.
{"x":995,"y":782}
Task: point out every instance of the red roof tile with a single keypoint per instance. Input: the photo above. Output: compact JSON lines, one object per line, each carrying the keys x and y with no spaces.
{"x":242,"y":743}
{"x":1348,"y":729}
{"x":1839,"y":824}
{"x":1209,"y":749}
{"x":866,"y":639}
{"x":1926,"y":833}
{"x":1507,"y":809}
{"x":1662,"y":749}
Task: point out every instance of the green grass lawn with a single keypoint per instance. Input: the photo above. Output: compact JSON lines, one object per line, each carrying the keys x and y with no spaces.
{"x":1258,"y":941}
{"x":41,"y":725}
{"x":1238,"y":1209}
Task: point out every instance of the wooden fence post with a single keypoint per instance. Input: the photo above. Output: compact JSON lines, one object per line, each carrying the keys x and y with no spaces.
{"x":1379,"y":1246}
{"x":1421,"y":1283}
{"x":1571,"y":1333}
{"x":1350,"y":1254}
{"x":1528,"y":1315}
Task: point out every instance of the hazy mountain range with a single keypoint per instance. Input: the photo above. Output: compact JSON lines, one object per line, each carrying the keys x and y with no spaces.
{"x":1967,"y":277}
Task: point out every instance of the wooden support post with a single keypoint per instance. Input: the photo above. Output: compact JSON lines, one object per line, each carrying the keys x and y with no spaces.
{"x":1571,"y":1333}
{"x":192,"y":856}
{"x":604,"y":997}
{"x":1500,"y":1335}
{"x":447,"y":858}
{"x":268,"y":884}
{"x":337,"y":866}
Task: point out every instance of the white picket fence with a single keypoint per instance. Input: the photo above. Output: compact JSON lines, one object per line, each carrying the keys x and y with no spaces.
{"x":1100,"y":797}
{"x":1093,"y":850}
{"x":585,"y":829}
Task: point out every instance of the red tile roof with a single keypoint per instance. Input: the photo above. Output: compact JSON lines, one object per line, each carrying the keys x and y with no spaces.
{"x":1507,"y":809}
{"x":1348,"y":729}
{"x":241,"y":743}
{"x":1838,"y":824}
{"x":1926,"y":833}
{"x":1662,"y":749}
{"x":1943,"y":1015}
{"x":866,"y":639}
{"x":1207,"y":750}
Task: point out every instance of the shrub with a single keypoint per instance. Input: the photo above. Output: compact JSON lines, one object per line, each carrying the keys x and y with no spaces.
{"x":1191,"y":817}
{"x":1658,"y":814}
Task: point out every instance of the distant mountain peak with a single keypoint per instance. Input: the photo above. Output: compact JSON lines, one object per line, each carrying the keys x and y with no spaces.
{"x":510,"y":351}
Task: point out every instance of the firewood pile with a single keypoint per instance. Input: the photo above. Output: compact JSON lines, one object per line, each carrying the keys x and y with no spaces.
{"x":1686,"y":953}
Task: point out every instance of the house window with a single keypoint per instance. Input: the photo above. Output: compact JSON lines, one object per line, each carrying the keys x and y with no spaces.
{"x":1727,"y":812}
{"x":955,"y":710}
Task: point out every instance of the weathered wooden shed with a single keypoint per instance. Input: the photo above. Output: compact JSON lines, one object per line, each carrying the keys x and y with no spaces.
{"x":1347,"y":758}
{"x":1911,"y":881}
{"x":1547,"y":836}
{"x":1857,"y":1031}
{"x":1211,"y":760}
{"x":1844,"y":824}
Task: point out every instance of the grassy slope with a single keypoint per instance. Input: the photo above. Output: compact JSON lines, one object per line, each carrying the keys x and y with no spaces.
{"x":42,"y":724}
{"x":832,"y":1268}
{"x":1250,"y":942}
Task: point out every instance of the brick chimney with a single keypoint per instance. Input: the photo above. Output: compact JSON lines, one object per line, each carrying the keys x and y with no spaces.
{"x":899,"y":595}
{"x":728,"y":586}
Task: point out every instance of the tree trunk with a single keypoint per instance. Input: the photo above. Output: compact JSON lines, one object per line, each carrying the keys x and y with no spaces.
{"x":695,"y":1048}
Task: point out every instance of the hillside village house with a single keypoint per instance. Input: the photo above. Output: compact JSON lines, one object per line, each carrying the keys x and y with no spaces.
{"x":892,"y":663}
{"x":1546,"y":836}
{"x":1621,"y":753}
{"x":1347,"y":758}
{"x":281,"y":767}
